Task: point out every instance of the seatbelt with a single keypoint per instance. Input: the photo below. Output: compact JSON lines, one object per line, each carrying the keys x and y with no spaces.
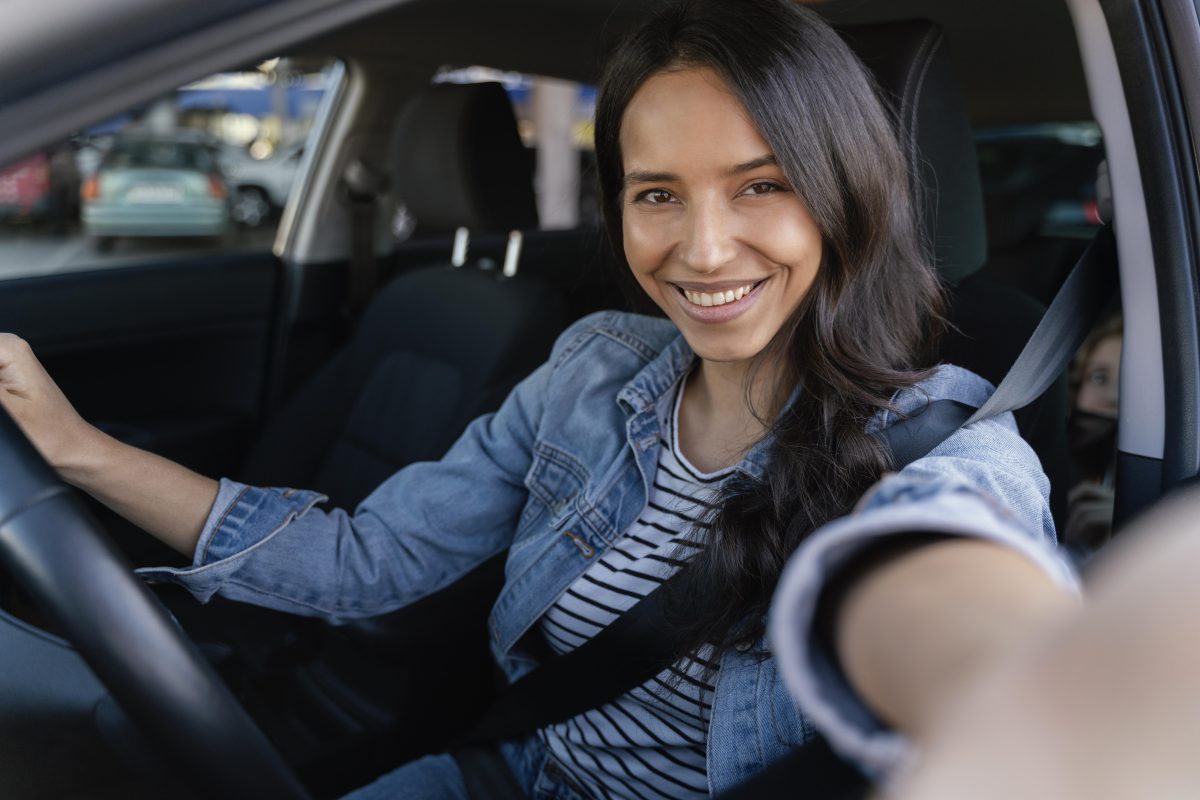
{"x":1072,"y":314}
{"x":638,"y":644}
{"x":362,"y":186}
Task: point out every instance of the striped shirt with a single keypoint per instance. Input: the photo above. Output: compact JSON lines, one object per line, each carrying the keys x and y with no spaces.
{"x":650,"y":742}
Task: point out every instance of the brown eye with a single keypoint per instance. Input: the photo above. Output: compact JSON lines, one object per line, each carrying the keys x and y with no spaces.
{"x":654,"y":197}
{"x":763,"y":187}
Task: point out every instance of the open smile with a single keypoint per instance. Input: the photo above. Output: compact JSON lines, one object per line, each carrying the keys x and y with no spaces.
{"x":717,"y":303}
{"x":718,"y":297}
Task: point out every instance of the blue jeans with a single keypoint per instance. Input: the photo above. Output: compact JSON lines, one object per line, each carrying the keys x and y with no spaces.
{"x":438,"y":778}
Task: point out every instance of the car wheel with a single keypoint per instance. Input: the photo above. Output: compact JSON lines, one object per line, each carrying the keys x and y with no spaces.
{"x":250,"y":207}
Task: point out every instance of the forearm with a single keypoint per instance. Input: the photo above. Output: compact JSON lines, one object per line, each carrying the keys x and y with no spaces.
{"x":1109,"y":706}
{"x":919,"y":623}
{"x":161,"y":497}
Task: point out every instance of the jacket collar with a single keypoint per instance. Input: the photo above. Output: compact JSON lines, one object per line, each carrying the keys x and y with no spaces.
{"x":649,"y":391}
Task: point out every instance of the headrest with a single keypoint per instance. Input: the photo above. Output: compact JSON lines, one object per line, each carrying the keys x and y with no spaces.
{"x":457,"y":159}
{"x":913,"y":71}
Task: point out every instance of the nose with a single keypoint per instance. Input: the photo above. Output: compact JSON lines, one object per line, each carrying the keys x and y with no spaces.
{"x":708,"y":241}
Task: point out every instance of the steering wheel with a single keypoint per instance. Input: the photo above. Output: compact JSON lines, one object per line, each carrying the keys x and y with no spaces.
{"x":57,"y":551}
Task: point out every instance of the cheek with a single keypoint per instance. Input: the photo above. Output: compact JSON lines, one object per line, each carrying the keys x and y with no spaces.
{"x":645,"y":249}
{"x":793,"y":240}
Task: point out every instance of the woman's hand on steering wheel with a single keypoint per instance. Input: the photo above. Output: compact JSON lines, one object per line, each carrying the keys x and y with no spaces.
{"x":39,"y":407}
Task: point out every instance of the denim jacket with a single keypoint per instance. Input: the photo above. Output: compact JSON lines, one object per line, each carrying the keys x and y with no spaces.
{"x":546,"y":478}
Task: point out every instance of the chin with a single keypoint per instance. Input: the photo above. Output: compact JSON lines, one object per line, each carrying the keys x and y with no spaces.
{"x":727,"y":353}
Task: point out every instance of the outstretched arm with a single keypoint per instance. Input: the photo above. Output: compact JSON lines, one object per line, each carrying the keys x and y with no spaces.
{"x":919,"y":622}
{"x":1109,"y":707}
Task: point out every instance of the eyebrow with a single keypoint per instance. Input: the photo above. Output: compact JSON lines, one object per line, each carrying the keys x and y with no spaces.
{"x":644,"y":176}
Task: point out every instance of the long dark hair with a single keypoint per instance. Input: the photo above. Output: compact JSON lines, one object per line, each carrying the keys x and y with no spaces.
{"x":867,"y":324}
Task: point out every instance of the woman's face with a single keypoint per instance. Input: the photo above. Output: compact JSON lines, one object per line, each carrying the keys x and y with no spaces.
{"x":1099,"y":393}
{"x":712,"y":230}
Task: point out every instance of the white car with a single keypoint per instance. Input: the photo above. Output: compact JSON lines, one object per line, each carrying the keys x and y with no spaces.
{"x":259,"y":187}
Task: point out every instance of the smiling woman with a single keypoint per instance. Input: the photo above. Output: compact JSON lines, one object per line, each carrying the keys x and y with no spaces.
{"x":712,"y":230}
{"x":753,"y":181}
{"x":759,"y":159}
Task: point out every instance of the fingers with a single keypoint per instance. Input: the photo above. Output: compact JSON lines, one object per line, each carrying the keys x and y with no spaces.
{"x":18,"y":368}
{"x":13,"y":347}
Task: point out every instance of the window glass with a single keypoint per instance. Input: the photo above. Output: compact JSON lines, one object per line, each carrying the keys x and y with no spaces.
{"x":1045,"y":175}
{"x":208,"y":167}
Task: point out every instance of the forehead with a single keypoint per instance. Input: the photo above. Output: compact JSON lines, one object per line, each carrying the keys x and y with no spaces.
{"x":1107,"y":351}
{"x":687,"y":120}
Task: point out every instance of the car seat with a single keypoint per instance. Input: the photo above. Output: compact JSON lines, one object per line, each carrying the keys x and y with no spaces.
{"x":435,"y":347}
{"x":989,"y":322}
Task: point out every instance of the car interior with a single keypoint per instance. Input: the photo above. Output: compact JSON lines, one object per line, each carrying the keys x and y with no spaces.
{"x":338,"y":352}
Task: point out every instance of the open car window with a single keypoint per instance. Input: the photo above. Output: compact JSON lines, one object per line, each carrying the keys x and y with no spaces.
{"x":207,"y":168}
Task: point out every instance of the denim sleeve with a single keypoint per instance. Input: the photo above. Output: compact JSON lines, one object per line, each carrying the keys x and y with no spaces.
{"x":419,"y":531}
{"x":982,"y":482}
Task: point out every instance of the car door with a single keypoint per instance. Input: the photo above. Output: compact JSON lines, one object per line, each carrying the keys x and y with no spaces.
{"x":1153,"y":47}
{"x":153,"y":305}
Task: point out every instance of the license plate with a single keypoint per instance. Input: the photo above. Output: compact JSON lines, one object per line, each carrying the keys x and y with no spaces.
{"x":154,"y":193}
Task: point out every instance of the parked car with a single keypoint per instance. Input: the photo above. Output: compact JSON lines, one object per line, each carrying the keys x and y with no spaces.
{"x":260,"y":187}
{"x":155,"y":186}
{"x":25,"y":188}
{"x":204,"y":358}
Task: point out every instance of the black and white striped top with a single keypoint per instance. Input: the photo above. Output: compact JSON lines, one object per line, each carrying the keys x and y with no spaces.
{"x":651,"y":741}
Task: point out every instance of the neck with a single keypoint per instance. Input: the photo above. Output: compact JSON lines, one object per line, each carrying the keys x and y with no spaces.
{"x":717,"y":426}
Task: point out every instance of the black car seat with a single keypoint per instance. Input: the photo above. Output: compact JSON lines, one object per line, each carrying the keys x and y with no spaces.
{"x":435,"y":347}
{"x":437,"y":344}
{"x":990,"y":322}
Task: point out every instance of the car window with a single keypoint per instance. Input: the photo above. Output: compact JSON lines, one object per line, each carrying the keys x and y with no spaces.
{"x":1050,"y":168}
{"x":206,"y":168}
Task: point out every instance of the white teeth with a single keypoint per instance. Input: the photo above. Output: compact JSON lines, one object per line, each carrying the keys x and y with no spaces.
{"x":718,"y":298}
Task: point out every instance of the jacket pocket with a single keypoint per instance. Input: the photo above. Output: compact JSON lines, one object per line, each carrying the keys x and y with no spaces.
{"x":555,"y":482}
{"x":788,"y":723}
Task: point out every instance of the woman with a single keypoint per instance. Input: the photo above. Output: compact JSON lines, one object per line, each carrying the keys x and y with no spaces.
{"x":755,"y":186}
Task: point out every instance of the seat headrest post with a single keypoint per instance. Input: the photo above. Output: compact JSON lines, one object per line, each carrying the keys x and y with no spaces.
{"x":512,"y":254}
{"x":458,"y":255}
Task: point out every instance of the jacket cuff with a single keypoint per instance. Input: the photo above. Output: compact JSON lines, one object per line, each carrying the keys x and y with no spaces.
{"x":898,"y":506}
{"x":241,"y":518}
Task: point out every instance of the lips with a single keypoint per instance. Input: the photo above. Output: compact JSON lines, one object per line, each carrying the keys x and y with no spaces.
{"x":717,"y":302}
{"x":717,"y":296}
